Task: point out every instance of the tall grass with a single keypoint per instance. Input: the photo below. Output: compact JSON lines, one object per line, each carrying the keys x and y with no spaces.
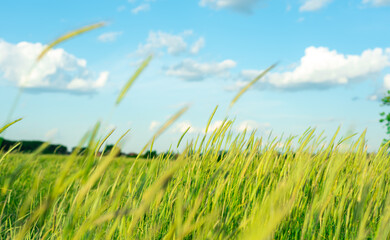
{"x":254,"y":190}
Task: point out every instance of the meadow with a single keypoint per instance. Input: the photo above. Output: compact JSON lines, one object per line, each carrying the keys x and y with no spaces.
{"x":253,"y":191}
{"x":302,"y":187}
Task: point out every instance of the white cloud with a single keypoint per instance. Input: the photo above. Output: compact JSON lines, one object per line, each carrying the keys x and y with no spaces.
{"x":237,"y":85}
{"x":159,"y":42}
{"x":246,"y":6}
{"x":110,"y":127}
{"x":174,"y":44}
{"x":57,"y":71}
{"x":386,"y":82}
{"x":51,"y":134}
{"x":214,"y":125}
{"x":84,"y":85}
{"x":313,"y":5}
{"x":187,"y":33}
{"x":381,"y":92}
{"x":373,"y":97}
{"x":249,"y":74}
{"x":181,"y":127}
{"x":191,"y":70}
{"x":377,"y":3}
{"x":141,"y":8}
{"x":153,"y":125}
{"x":109,"y":36}
{"x":250,"y":125}
{"x":321,"y":67}
{"x":195,"y":48}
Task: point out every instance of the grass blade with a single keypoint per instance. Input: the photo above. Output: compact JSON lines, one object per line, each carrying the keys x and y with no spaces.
{"x":211,"y":118}
{"x":244,"y":89}
{"x":129,"y":83}
{"x":9,"y":124}
{"x":164,"y":127}
{"x":9,"y":151}
{"x":69,"y":36}
{"x":150,"y":194}
{"x":182,"y":136}
{"x":103,"y":141}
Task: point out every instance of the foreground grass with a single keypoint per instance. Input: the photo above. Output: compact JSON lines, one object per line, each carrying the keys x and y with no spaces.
{"x":254,"y":191}
{"x":251,"y":192}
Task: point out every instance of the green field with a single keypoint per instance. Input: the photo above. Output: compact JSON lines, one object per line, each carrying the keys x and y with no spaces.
{"x":254,"y":191}
{"x":223,"y":185}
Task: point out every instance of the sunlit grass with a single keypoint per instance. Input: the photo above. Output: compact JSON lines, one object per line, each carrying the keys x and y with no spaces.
{"x":226,"y":185}
{"x":253,"y":191}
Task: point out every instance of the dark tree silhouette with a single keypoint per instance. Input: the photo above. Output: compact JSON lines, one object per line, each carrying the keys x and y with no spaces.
{"x":31,"y":146}
{"x":150,"y":154}
{"x":109,"y":148}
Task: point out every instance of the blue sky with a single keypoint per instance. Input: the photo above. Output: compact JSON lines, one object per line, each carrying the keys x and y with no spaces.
{"x":333,"y":55}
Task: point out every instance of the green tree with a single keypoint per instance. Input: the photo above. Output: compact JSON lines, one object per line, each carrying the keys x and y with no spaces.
{"x":109,"y":148}
{"x":150,"y":154}
{"x":385,"y":118}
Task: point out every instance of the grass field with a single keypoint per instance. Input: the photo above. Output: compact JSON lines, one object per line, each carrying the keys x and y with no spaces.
{"x":251,"y":192}
{"x":298,"y":188}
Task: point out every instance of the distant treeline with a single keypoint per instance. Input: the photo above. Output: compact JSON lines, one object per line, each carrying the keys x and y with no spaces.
{"x":31,"y":146}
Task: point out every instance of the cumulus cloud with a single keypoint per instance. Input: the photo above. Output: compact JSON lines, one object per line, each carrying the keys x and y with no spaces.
{"x":81,"y":84}
{"x":57,"y":71}
{"x":159,"y":42}
{"x":141,"y":8}
{"x":377,"y":3}
{"x":154,"y":125}
{"x":191,"y":70}
{"x":324,"y":68}
{"x":181,"y":127}
{"x":213,"y":126}
{"x":174,"y":44}
{"x":313,"y":5}
{"x":195,"y":48}
{"x":373,"y":97}
{"x":381,"y":92}
{"x":109,"y":36}
{"x":49,"y":135}
{"x":250,"y":125}
{"x":386,"y":82}
{"x":247,"y":125}
{"x":239,"y":84}
{"x":245,"y":6}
